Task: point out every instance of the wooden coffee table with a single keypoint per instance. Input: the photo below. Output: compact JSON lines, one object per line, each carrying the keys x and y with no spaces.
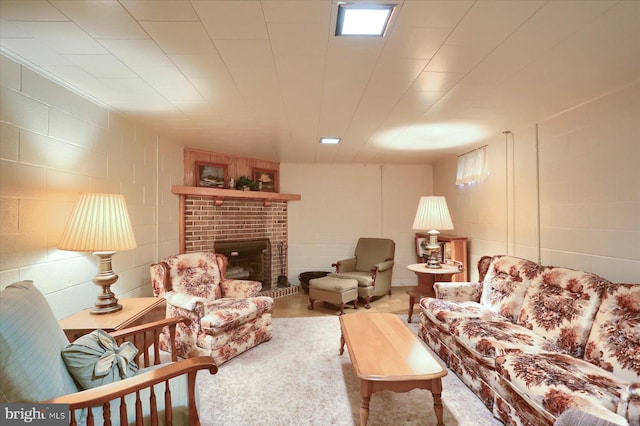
{"x":387,"y":355}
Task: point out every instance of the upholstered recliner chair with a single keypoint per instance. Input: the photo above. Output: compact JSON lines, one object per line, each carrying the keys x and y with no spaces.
{"x":32,"y":368}
{"x":371,"y":266}
{"x":227,"y":316}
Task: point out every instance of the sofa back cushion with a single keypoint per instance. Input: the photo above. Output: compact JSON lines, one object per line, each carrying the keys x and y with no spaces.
{"x":196,"y":274}
{"x":560,"y":305}
{"x":505,"y":284}
{"x":614,"y":342}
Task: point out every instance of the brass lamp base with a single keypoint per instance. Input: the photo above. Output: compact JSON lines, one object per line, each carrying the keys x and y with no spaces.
{"x":434,"y":250}
{"x":106,"y":302}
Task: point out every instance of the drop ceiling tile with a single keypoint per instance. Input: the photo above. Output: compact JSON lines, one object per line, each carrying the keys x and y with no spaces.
{"x":179,"y":37}
{"x":232,"y":20}
{"x":160,"y":10}
{"x":430,"y":81}
{"x":412,"y":42}
{"x":137,"y":52}
{"x":432,"y":14}
{"x":245,"y":53}
{"x":8,"y":29}
{"x":101,"y":66}
{"x":293,"y":11}
{"x":24,"y":10}
{"x":405,"y":69}
{"x":456,"y":59}
{"x":101,"y":19}
{"x":62,"y":37}
{"x":298,"y":39}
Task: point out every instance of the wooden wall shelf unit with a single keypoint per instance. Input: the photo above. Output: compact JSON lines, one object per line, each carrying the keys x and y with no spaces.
{"x":221,"y":194}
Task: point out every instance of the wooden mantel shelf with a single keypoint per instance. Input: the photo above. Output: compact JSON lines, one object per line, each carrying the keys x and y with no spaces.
{"x":221,"y":194}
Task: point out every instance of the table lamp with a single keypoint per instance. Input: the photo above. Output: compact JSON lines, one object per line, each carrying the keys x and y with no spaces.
{"x":100,"y":224}
{"x":432,"y":216}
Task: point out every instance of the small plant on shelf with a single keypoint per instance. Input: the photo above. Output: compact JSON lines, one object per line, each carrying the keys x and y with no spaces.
{"x":245,"y":182}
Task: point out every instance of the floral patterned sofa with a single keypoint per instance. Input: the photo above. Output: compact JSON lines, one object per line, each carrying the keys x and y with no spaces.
{"x":227,"y":316}
{"x":532,"y":341}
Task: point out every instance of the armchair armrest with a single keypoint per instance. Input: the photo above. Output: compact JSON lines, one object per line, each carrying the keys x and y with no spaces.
{"x":458,"y":291}
{"x":190,"y":303}
{"x":629,"y":401}
{"x":240,"y":288}
{"x":345,"y":265}
{"x":383,"y":266}
{"x":104,"y":394}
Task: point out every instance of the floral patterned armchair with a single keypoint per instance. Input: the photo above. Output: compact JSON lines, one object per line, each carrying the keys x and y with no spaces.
{"x":227,"y":316}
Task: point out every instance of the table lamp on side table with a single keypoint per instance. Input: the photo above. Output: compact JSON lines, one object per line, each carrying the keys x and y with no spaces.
{"x":432,"y":216}
{"x":100,"y":224}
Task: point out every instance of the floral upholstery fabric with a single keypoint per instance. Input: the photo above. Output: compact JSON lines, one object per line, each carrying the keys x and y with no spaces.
{"x":525,"y":374}
{"x":560,"y":305}
{"x":444,"y":312}
{"x":505,"y":284}
{"x":458,"y":291}
{"x":490,"y":339}
{"x":227,"y":316}
{"x":559,"y":381}
{"x":614,"y":342}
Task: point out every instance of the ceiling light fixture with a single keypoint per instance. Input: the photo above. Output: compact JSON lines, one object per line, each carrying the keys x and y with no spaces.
{"x":329,"y":141}
{"x":359,"y":19}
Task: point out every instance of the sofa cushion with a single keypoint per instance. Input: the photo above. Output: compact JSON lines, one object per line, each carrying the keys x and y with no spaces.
{"x":443,"y":313}
{"x":506,"y":283}
{"x":614,"y":342}
{"x":490,"y":339}
{"x":195,"y":274}
{"x":560,"y":305}
{"x":557,"y":381}
{"x":226,"y":314}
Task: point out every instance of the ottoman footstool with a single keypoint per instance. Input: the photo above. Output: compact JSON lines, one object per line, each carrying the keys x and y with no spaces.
{"x":338,"y":291}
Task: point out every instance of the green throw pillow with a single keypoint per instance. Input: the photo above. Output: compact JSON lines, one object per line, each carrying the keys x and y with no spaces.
{"x":95,"y":360}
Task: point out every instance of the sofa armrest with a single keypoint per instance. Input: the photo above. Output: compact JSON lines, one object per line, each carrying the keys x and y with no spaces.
{"x":240,"y":288}
{"x":383,"y":266}
{"x":345,"y":265}
{"x":458,"y":291}
{"x":629,"y":404}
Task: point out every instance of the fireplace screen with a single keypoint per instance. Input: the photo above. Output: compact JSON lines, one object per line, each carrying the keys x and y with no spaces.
{"x":248,"y":260}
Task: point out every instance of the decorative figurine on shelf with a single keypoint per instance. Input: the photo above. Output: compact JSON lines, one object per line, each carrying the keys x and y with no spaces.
{"x":232,"y":183}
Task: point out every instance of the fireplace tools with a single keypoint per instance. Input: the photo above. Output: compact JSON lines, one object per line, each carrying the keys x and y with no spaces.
{"x":283,"y":281}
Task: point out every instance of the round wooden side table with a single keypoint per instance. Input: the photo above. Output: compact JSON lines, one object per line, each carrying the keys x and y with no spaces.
{"x":426,"y":278}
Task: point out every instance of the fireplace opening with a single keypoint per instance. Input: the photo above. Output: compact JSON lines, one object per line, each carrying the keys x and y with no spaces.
{"x":248,"y":260}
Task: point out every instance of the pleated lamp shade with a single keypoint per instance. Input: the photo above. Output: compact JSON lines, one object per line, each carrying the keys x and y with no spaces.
{"x":432,"y":214}
{"x":99,"y":222}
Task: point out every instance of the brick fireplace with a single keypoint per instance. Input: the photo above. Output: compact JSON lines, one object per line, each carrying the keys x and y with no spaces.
{"x":208,"y":221}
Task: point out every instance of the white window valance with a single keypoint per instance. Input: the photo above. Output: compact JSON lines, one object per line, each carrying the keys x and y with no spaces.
{"x":473,"y":166}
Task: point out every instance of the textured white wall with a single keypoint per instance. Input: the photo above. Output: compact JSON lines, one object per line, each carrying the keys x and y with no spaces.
{"x":342,"y":202}
{"x":589,"y":191}
{"x":55,"y":144}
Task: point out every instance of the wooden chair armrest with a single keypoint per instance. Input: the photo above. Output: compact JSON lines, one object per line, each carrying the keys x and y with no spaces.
{"x":131,"y":331}
{"x":143,"y":336}
{"x":104,"y":394}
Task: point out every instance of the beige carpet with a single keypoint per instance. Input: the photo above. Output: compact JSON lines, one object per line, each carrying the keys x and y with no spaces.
{"x":299,"y":378}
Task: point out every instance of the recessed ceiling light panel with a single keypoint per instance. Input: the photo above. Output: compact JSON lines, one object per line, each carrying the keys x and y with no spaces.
{"x":329,"y":141}
{"x":361,"y":19}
